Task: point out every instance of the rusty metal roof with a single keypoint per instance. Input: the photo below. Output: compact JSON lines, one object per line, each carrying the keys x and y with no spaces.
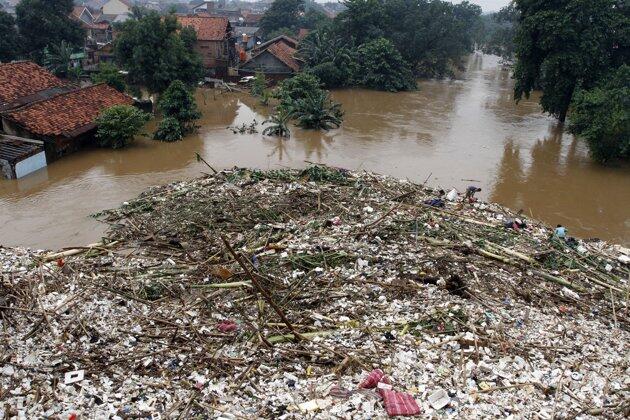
{"x":15,"y":149}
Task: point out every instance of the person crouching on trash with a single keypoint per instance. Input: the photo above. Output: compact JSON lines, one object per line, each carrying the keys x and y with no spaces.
{"x":470,"y":194}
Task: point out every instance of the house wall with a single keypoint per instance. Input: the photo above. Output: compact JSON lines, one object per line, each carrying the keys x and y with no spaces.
{"x":266,"y":63}
{"x":115,"y":7}
{"x":30,"y":165}
{"x":215,"y":55}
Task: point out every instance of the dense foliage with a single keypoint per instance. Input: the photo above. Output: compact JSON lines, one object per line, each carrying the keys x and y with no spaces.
{"x":110,"y":74}
{"x":46,"y":22}
{"x":496,"y":36}
{"x":564,"y":44}
{"x":9,"y":42}
{"x":118,"y":125}
{"x":259,"y":84}
{"x":156,"y":51}
{"x":601,"y":116}
{"x":286,"y":17}
{"x":169,"y":130}
{"x":278,"y":124}
{"x":382,"y":67}
{"x":178,"y":102}
{"x":385,"y":44}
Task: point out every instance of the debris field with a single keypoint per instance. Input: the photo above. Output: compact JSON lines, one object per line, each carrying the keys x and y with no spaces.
{"x":314,"y":293}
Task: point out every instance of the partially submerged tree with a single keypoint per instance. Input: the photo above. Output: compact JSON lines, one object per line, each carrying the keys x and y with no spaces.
{"x":169,"y":130}
{"x":9,"y":42}
{"x":178,"y":102}
{"x":601,"y":116}
{"x":110,"y":74}
{"x":316,"y":111}
{"x":382,"y":67}
{"x":259,"y":84}
{"x":46,"y":22}
{"x":118,"y":125}
{"x":278,"y":124}
{"x":156,"y":51}
{"x":564,"y":44}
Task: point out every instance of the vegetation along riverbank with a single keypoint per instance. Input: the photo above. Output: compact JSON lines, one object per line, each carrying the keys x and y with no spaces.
{"x":265,"y":294}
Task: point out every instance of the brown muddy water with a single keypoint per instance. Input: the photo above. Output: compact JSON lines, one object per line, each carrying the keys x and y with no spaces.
{"x":455,"y":131}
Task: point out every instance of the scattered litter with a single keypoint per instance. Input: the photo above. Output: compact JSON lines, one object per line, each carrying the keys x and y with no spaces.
{"x":73,"y":376}
{"x":244,"y":295}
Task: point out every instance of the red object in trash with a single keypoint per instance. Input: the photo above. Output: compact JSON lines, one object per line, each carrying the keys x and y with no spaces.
{"x":227,"y":326}
{"x":60,"y":262}
{"x":399,"y":403}
{"x":72,"y":416}
{"x":373,"y":379}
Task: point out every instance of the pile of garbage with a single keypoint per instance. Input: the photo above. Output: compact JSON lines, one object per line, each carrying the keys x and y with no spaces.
{"x":315,"y":293}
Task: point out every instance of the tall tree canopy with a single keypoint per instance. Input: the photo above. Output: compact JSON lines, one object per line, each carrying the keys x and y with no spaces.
{"x":8,"y":37}
{"x":155,"y":51}
{"x":282,"y":14}
{"x":46,"y":22}
{"x":563,"y":44}
{"x":498,"y":32}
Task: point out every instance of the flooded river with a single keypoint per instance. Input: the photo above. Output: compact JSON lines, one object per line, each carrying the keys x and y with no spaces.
{"x":449,"y":131}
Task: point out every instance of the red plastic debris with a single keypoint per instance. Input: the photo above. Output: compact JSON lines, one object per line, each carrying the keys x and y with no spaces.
{"x":72,"y":416}
{"x":60,"y":262}
{"x":373,"y":379}
{"x":399,"y":403}
{"x":227,"y":326}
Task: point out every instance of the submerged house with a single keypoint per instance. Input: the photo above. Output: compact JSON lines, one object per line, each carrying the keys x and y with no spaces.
{"x":215,"y":42}
{"x":64,"y":122}
{"x":276,"y":59}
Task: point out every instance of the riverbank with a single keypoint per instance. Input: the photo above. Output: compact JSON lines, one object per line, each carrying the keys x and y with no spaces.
{"x":266,"y":294}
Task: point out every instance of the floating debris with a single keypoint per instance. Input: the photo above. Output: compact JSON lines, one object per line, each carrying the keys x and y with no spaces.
{"x":249,"y":294}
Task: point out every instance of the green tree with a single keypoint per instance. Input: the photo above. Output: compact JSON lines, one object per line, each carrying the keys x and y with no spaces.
{"x":46,"y":22}
{"x":282,"y":14}
{"x":110,"y":74}
{"x":382,"y":67}
{"x":317,"y":111}
{"x":155,"y":52}
{"x":298,"y":86}
{"x":563,"y":44}
{"x":9,"y":43}
{"x":169,"y":130}
{"x":178,"y":102}
{"x":118,"y":125}
{"x":329,"y":57}
{"x":601,"y":116}
{"x":57,"y":58}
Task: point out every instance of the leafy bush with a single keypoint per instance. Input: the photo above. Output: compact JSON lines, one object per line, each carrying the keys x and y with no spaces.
{"x":296,"y":87}
{"x":169,"y":130}
{"x":178,"y":102}
{"x":118,"y":125}
{"x":108,"y":73}
{"x":602,"y":116}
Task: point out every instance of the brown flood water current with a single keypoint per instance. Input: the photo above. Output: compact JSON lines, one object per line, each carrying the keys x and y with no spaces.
{"x":455,"y":130}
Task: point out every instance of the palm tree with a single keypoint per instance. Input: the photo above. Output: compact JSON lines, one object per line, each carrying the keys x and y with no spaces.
{"x":279,"y":124}
{"x":57,"y":58}
{"x":316,"y":111}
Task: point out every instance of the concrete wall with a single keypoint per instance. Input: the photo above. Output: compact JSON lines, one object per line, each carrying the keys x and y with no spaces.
{"x":30,"y":165}
{"x":6,"y":170}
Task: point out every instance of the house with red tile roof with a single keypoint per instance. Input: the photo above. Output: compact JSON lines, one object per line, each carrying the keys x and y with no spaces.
{"x":23,"y":82}
{"x":63,"y":121}
{"x":215,"y":42}
{"x":275,"y":58}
